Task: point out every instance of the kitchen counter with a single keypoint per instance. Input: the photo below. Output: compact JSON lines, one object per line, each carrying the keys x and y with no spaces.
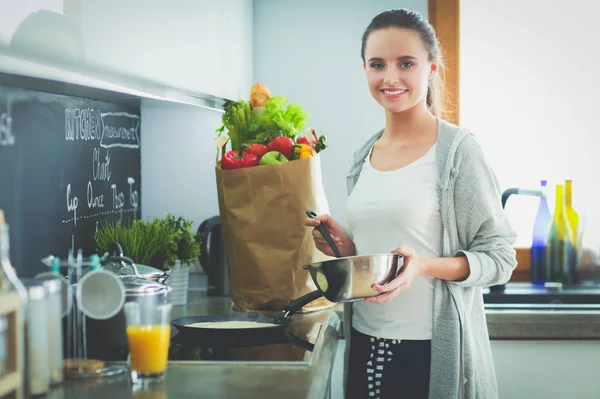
{"x":530,"y":322}
{"x":221,"y":379}
{"x":537,"y":321}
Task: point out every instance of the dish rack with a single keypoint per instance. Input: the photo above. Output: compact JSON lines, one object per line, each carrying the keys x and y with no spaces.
{"x":11,"y":383}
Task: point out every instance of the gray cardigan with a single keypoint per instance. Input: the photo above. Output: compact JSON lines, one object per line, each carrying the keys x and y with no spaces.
{"x":473,"y":224}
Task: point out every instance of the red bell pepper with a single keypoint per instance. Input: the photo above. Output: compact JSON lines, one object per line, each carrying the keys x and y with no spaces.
{"x":232,"y":160}
{"x":303,"y":140}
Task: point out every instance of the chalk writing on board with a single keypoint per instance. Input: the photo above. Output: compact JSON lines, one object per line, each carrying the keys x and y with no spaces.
{"x":7,"y":138}
{"x":120,"y":129}
{"x":118,"y":197}
{"x":133,"y":195}
{"x":94,"y":201}
{"x":72,"y":204}
{"x":100,"y":165}
{"x":103,"y":213}
{"x":83,"y":124}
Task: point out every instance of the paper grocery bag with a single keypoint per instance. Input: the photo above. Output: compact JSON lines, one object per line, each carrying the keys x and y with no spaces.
{"x":262,"y":211}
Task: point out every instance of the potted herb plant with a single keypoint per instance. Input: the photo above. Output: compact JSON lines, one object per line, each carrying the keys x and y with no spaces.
{"x":183,"y":253}
{"x":145,"y":242}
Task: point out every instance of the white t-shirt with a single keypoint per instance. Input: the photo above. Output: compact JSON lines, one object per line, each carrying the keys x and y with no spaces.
{"x":388,"y":209}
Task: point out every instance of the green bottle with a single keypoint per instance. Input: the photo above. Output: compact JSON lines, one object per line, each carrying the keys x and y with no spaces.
{"x":560,"y":244}
{"x":573,"y":220}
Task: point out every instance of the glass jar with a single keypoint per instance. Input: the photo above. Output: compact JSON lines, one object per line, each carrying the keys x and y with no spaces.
{"x":37,"y":348}
{"x":3,"y":345}
{"x":54,"y":289}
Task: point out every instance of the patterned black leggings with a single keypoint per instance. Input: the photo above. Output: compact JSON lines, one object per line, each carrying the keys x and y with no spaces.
{"x":388,"y":368}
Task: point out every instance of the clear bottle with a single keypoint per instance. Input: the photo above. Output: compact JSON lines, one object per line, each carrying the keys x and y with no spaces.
{"x":541,"y":227}
{"x":559,"y":246}
{"x":37,"y":338}
{"x":10,"y":282}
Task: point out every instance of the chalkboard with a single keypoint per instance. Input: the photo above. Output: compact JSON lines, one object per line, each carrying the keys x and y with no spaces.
{"x":67,"y":164}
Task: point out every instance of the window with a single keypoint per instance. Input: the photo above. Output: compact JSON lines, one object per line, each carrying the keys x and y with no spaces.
{"x":528,"y":90}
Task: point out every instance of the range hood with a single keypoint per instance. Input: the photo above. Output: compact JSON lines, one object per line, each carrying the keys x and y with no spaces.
{"x":88,"y":81}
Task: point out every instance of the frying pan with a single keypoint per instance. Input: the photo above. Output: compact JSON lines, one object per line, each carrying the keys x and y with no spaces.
{"x":277,"y":324}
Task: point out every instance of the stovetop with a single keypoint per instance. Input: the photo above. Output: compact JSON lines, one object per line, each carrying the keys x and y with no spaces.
{"x":295,"y":344}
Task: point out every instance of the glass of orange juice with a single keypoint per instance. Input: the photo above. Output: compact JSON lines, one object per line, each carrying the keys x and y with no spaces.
{"x":148,"y":337}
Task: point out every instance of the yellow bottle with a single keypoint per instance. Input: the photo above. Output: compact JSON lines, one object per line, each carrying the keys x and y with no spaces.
{"x":572,"y":216}
{"x":559,"y":245}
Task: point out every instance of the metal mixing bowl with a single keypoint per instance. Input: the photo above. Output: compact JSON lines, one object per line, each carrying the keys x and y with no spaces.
{"x":350,"y":279}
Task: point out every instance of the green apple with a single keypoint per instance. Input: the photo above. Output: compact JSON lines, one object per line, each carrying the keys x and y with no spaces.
{"x":273,"y":158}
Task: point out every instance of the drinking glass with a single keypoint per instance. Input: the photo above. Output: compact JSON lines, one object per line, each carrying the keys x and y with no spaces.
{"x":148,"y":336}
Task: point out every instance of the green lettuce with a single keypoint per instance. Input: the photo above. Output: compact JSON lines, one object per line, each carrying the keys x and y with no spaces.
{"x":279,"y":116}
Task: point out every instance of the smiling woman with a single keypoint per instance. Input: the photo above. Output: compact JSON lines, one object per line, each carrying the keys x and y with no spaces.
{"x":422,"y":188}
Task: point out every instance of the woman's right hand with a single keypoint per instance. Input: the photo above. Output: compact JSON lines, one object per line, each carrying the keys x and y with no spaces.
{"x":338,"y":234}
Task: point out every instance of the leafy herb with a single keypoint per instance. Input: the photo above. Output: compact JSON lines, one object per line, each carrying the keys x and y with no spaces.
{"x":236,"y":119}
{"x":278,"y":118}
{"x":158,"y":243}
{"x":147,"y":243}
{"x":186,"y":248}
{"x":279,"y":115}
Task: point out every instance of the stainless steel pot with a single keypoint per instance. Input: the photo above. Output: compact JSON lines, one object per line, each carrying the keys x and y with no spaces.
{"x":106,"y":338}
{"x":350,"y":279}
{"x":121,"y":265}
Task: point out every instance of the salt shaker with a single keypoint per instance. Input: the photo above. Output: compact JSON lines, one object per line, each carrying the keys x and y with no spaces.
{"x":55,"y":358}
{"x":37,"y":374}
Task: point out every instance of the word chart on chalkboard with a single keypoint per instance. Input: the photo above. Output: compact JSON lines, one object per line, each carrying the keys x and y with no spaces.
{"x":67,"y":165}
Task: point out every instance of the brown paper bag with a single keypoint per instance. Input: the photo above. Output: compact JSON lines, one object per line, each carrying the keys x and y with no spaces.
{"x":262,"y":211}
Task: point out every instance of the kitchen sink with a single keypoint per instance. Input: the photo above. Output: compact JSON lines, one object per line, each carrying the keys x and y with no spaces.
{"x":525,"y":293}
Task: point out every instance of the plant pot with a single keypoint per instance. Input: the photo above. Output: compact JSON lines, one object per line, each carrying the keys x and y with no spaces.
{"x":178,"y":280}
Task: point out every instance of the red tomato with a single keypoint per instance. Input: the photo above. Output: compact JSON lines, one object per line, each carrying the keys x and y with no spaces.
{"x":283,"y":144}
{"x":257,"y":149}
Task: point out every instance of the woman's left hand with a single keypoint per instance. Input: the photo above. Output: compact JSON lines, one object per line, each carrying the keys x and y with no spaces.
{"x":413,"y":268}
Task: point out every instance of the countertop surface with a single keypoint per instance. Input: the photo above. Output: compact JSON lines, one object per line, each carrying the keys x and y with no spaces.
{"x":310,"y":379}
{"x":222,"y":379}
{"x":538,"y":321}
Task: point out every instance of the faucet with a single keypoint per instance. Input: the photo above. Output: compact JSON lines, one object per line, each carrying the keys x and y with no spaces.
{"x":507,"y":193}
{"x":520,"y":191}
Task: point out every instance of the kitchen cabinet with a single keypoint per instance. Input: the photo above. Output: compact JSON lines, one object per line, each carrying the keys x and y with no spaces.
{"x":199,"y":47}
{"x":528,"y":369}
{"x":547,"y":369}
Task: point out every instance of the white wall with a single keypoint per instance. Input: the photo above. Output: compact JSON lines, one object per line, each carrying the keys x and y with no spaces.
{"x":178,"y":160}
{"x":196,"y":45}
{"x":529,"y":92}
{"x":309,"y":51}
{"x":191,"y":44}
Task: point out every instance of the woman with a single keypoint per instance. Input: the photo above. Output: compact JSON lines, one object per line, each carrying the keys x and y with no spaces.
{"x":422,"y":187}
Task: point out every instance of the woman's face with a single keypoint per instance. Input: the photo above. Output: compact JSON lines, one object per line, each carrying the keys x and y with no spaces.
{"x":398,"y":68}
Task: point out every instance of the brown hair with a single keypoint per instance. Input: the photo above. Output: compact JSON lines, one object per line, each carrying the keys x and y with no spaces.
{"x":407,"y":19}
